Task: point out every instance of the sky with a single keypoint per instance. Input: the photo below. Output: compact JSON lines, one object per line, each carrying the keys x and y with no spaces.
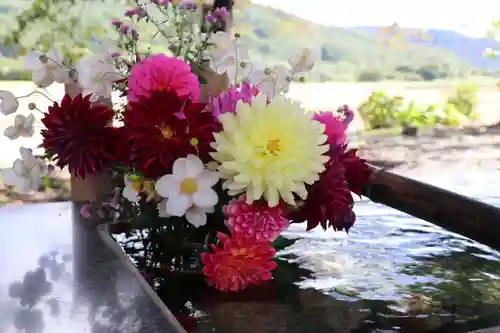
{"x":470,"y":17}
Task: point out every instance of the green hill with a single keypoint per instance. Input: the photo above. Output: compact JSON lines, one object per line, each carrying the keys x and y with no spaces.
{"x":273,"y":35}
{"x":344,"y":54}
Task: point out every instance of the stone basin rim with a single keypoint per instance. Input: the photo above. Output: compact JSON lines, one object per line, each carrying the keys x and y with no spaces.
{"x":104,"y":233}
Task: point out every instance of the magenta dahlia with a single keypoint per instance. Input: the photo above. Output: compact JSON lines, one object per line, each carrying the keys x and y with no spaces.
{"x":335,"y":127}
{"x":256,"y":220}
{"x":78,"y":135}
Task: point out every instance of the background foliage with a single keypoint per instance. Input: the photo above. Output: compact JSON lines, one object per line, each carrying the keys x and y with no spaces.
{"x":344,"y":54}
{"x":380,"y":110}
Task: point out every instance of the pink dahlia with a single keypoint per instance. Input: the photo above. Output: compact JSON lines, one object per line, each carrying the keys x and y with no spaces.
{"x":238,"y":262}
{"x":256,"y":220}
{"x":335,"y":127}
{"x":161,"y":72}
{"x":227,"y":100}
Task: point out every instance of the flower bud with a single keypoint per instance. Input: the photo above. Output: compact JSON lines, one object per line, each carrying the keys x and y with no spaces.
{"x":43,"y":58}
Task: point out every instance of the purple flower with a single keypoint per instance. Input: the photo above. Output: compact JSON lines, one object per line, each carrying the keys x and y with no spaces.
{"x":221,"y":14}
{"x":124,"y":29}
{"x":210,"y":18}
{"x":129,"y":12}
{"x":187,"y":4}
{"x":116,"y":23}
{"x":85,"y":211}
{"x":139,"y":12}
{"x":134,"y":34}
{"x":227,"y":100}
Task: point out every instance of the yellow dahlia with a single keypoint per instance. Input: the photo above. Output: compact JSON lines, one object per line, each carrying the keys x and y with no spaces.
{"x":270,"y":150}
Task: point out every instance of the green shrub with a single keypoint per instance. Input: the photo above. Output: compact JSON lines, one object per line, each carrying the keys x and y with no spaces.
{"x":464,"y":100}
{"x":379,"y":110}
{"x":12,"y":69}
{"x":382,"y":111}
{"x":452,"y":116}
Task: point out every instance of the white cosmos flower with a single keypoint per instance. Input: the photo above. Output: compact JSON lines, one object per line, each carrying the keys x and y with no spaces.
{"x":271,"y":81}
{"x":26,"y":172}
{"x":188,"y":190}
{"x":197,"y":216}
{"x":302,"y":62}
{"x":8,"y":102}
{"x":46,"y":68}
{"x":96,"y":75}
{"x":226,"y":54}
{"x":132,"y":189}
{"x":23,"y":126}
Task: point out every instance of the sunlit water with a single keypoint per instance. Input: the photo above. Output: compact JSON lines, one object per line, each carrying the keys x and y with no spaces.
{"x":391,"y":273}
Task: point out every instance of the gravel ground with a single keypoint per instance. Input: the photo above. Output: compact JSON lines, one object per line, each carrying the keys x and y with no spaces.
{"x":473,"y":148}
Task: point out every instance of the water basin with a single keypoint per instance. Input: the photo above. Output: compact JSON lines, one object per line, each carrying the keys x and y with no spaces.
{"x":392,"y":273}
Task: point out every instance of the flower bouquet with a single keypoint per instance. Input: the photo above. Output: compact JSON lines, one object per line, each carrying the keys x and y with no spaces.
{"x":211,"y":182}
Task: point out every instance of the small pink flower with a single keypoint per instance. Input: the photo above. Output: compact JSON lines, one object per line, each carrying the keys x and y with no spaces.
{"x":116,"y":23}
{"x":85,"y":211}
{"x":347,"y":113}
{"x":256,"y":220}
{"x":227,"y":100}
{"x":124,"y":29}
{"x":221,"y":14}
{"x":238,"y":262}
{"x":187,"y":4}
{"x":334,"y":127}
{"x":161,"y":72}
{"x":210,"y":18}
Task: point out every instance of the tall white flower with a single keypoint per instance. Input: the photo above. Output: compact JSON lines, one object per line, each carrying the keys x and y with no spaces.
{"x":26,"y":172}
{"x":23,"y":126}
{"x":46,"y":68}
{"x":188,"y":191}
{"x":271,"y":81}
{"x":302,"y":62}
{"x":8,"y":102}
{"x":96,"y":75}
{"x":226,"y":55}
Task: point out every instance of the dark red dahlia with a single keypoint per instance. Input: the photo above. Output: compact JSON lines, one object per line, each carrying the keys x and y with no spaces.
{"x":123,"y":151}
{"x":77,"y":134}
{"x":357,"y":173}
{"x":164,"y":127}
{"x":329,"y":201}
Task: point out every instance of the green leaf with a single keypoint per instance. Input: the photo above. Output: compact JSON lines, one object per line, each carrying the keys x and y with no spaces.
{"x":202,"y":80}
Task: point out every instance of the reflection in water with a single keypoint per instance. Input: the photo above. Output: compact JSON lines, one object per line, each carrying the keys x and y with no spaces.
{"x":392,"y":273}
{"x":33,"y":293}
